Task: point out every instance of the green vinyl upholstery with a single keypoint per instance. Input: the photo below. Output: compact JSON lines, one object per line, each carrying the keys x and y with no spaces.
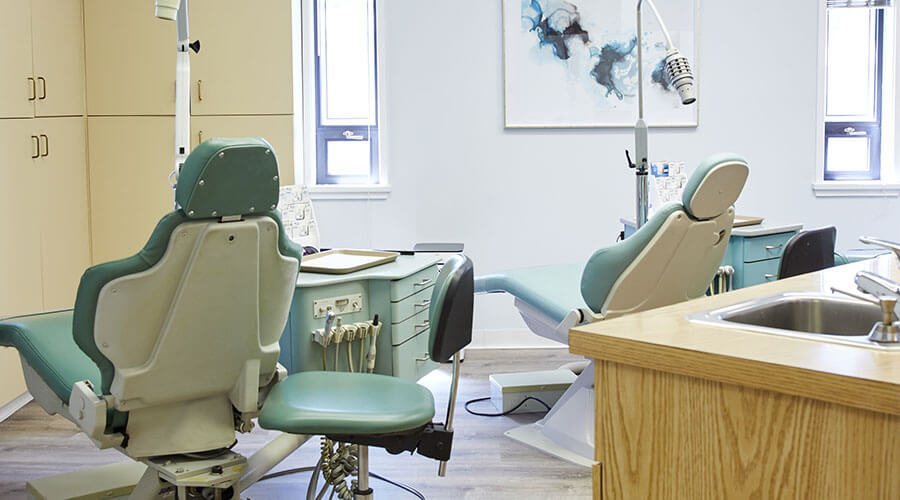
{"x":45,"y":341}
{"x":551,"y":289}
{"x":318,"y":402}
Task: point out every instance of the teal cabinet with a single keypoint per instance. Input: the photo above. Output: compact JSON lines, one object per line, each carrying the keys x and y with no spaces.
{"x":398,"y":292}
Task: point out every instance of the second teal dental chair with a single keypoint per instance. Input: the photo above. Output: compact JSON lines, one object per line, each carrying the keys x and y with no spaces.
{"x":671,"y":258}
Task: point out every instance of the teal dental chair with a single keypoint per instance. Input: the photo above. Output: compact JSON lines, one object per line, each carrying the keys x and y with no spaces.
{"x":672,"y":258}
{"x":168,"y":353}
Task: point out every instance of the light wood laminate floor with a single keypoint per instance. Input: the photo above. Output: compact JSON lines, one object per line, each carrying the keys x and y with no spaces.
{"x":485,"y":463}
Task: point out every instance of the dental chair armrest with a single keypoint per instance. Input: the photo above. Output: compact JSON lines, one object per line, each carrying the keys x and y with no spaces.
{"x":89,"y":412}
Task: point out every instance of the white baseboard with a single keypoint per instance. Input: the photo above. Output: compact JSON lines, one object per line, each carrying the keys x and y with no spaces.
{"x":511,"y":339}
{"x":13,"y":406}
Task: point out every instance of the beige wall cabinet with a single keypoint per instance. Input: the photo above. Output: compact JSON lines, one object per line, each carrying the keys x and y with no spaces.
{"x":41,"y":76}
{"x":11,"y":374}
{"x":131,"y":158}
{"x":277,"y":129}
{"x":130,"y":58}
{"x":244,"y":66}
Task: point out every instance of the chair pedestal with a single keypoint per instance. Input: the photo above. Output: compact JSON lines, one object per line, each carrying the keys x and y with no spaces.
{"x":363,"y":491}
{"x":567,"y":431}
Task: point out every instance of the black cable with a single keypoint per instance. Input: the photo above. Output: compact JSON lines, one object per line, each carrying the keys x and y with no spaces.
{"x":476,"y":400}
{"x":372,"y":474}
{"x":399,"y":485}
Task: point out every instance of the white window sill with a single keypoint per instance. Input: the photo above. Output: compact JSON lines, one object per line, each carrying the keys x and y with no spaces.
{"x":350,"y":192}
{"x":838,"y":189}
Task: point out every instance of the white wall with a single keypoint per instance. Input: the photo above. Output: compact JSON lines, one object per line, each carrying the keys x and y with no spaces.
{"x":530,"y":197}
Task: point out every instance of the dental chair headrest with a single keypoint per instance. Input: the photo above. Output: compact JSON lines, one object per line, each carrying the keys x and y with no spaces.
{"x":715,"y":185}
{"x":223,"y":177}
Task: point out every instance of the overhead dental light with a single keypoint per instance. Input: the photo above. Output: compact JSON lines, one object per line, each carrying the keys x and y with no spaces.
{"x":177,"y":10}
{"x":679,"y":73}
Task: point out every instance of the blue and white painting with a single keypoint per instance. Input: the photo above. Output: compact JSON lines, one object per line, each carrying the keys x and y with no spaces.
{"x":574,"y":63}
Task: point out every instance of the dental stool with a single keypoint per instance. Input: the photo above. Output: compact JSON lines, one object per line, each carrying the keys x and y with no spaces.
{"x":671,"y":258}
{"x":167,"y":353}
{"x":377,"y":410}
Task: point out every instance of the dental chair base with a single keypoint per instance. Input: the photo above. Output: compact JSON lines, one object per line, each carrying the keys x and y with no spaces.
{"x":565,"y":432}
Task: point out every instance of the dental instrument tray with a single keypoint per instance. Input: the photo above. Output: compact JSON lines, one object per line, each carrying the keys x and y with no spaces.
{"x":344,"y":261}
{"x":746,"y":220}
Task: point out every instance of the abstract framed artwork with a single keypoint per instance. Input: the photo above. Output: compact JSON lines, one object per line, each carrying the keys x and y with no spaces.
{"x":574,"y":63}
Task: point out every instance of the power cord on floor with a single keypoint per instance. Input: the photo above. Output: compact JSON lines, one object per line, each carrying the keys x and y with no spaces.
{"x":507,"y":412}
{"x":298,"y":470}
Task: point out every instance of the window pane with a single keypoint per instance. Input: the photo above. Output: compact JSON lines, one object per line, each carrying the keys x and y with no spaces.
{"x":851,"y":63}
{"x":347,"y":61}
{"x":348,"y":157}
{"x":847,"y":154}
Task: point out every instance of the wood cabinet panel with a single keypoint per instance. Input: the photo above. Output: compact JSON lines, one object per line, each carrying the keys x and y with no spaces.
{"x":16,"y":90}
{"x":662,"y":435}
{"x":130,"y":59}
{"x":65,"y":234}
{"x":277,"y":129}
{"x":130,"y":161}
{"x":58,"y":38}
{"x":20,"y":246}
{"x":245,"y":64}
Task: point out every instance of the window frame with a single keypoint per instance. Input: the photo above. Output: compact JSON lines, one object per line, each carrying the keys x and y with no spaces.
{"x":871,"y":129}
{"x":313,"y":136}
{"x":883,"y":181}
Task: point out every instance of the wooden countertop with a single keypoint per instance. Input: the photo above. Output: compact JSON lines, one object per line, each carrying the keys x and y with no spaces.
{"x":663,"y":339}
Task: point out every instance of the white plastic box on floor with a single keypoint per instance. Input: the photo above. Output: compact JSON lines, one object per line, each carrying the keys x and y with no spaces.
{"x":510,"y":389}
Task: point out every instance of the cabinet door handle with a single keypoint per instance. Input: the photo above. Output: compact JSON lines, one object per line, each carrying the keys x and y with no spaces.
{"x":199,"y":90}
{"x":37,"y":147}
{"x":423,"y":325}
{"x":46,"y":146}
{"x":199,"y":137}
{"x":773,"y":247}
{"x":424,"y":303}
{"x":43,"y":88}
{"x":424,"y":282}
{"x":770,"y":277}
{"x":33,"y":89}
{"x":423,"y":358}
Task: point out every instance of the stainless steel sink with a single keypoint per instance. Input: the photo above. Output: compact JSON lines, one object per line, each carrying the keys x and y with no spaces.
{"x":815,"y":316}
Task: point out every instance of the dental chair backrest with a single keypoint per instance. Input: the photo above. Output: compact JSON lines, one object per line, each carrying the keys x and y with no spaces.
{"x":185,"y":333}
{"x":676,"y":254}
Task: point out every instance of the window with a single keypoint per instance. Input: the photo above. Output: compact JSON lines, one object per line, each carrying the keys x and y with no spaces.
{"x":340,"y":97}
{"x":857,"y":120}
{"x":853,"y":90}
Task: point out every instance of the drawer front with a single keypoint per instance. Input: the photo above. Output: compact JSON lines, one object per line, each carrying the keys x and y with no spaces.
{"x":765,"y":247}
{"x":414,"y":304}
{"x":405,"y":330}
{"x":403,"y":288}
{"x":411,"y":360}
{"x":762,"y":271}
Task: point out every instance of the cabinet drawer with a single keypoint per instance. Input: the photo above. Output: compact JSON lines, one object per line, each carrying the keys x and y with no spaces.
{"x":761,"y":271}
{"x":403,"y":331}
{"x":403,"y":288}
{"x":411,"y":359}
{"x":769,"y":246}
{"x":414,"y":304}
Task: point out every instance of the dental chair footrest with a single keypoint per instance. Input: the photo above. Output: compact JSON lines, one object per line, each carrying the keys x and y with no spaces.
{"x":432,"y":441}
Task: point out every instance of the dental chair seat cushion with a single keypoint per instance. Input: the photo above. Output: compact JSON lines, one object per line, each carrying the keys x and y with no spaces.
{"x":46,"y":342}
{"x":319,"y":402}
{"x":553,"y":290}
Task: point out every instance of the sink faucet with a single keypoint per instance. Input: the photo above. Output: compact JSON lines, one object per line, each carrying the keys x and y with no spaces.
{"x":890,"y":245}
{"x":888,"y":293}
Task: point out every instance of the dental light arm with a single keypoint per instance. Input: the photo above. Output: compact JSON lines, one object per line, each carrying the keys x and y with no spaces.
{"x":679,"y":72}
{"x":177,"y":10}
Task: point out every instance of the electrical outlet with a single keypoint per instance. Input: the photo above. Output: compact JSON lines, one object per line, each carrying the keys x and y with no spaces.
{"x":340,"y":305}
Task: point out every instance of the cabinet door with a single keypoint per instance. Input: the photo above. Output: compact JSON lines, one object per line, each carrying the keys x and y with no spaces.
{"x":277,"y":129}
{"x":20,"y":204}
{"x":244,"y":66}
{"x":65,"y":235}
{"x":58,"y":57}
{"x":11,"y":374}
{"x":17,"y":91}
{"x":130,"y":161}
{"x":130,"y":59}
